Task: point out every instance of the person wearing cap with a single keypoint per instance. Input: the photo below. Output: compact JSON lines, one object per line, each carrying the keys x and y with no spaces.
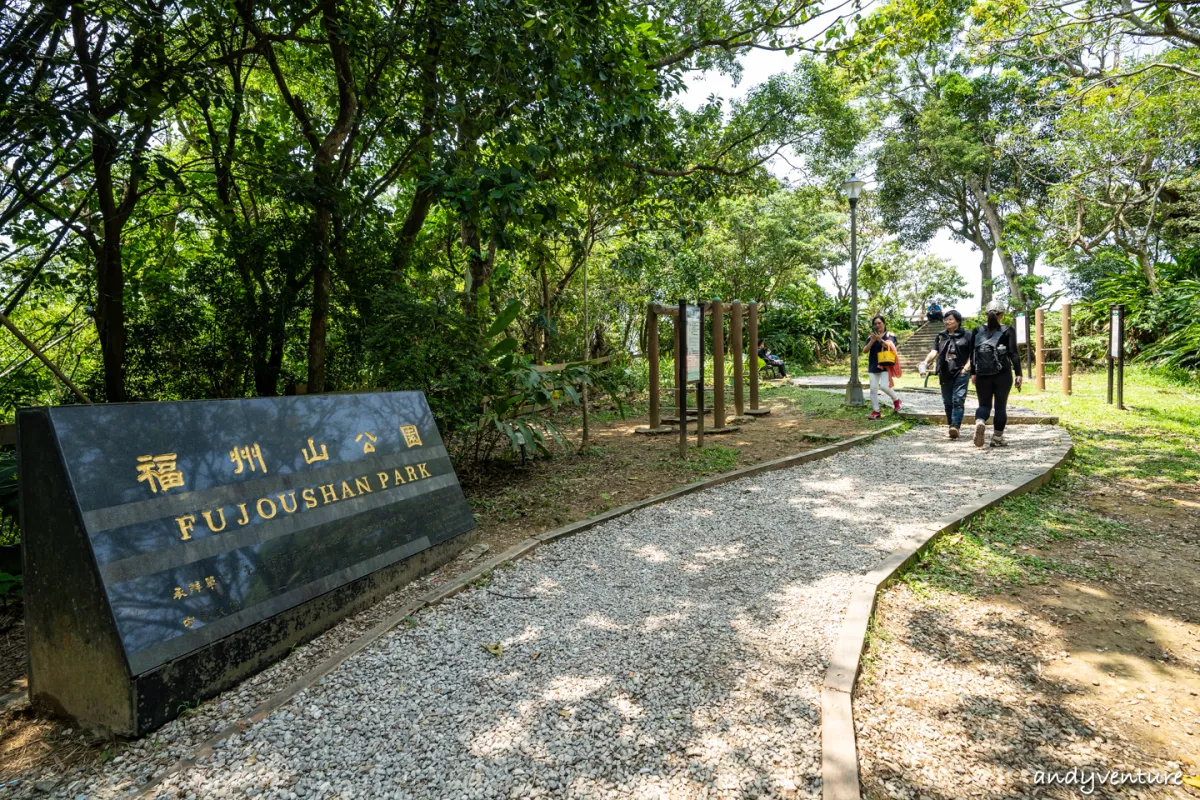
{"x":952,"y":350}
{"x":994,"y":358}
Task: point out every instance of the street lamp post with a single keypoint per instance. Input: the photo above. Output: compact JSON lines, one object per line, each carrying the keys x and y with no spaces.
{"x":854,"y":392}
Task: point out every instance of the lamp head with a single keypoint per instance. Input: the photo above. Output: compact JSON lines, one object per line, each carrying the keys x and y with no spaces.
{"x":853,"y":187}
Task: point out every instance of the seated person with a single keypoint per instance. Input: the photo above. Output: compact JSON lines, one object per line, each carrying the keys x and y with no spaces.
{"x":935,"y":312}
{"x":770,"y":358}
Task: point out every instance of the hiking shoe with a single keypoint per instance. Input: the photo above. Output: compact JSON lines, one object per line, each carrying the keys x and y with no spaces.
{"x":980,"y":428}
{"x":998,"y":440}
{"x":954,"y":433}
{"x":896,"y":406}
{"x":875,"y":415}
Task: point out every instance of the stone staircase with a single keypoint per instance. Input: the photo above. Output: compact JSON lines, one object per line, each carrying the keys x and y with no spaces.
{"x":916,"y":346}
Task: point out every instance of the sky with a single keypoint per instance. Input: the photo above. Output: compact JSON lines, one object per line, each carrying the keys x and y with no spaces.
{"x":758,"y":66}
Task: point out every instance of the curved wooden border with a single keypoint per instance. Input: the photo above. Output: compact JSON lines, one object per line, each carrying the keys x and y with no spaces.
{"x":264,"y":709}
{"x":839,"y":748}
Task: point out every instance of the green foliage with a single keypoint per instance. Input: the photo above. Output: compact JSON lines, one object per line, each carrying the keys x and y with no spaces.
{"x":10,"y":588}
{"x":807,"y":326}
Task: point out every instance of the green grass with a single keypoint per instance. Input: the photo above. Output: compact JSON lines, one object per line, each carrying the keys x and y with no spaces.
{"x":1155,"y":442}
{"x":817,"y":403}
{"x":714,"y":458}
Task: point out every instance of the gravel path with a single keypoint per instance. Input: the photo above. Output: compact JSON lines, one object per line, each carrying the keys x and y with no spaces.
{"x":675,"y":652}
{"x":920,"y":402}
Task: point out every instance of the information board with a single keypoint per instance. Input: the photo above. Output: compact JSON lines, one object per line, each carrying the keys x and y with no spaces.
{"x":1114,"y":334}
{"x":1019,"y":322}
{"x":179,"y":546}
{"x":693,"y":343}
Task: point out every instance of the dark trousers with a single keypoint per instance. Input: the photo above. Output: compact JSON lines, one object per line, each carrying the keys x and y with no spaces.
{"x":993,"y":390}
{"x":954,"y":396}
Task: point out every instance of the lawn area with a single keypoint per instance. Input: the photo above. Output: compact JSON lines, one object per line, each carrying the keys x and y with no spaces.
{"x":1060,"y":629}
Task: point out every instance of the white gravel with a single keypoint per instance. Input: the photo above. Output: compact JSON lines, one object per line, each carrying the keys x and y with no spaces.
{"x":675,"y":652}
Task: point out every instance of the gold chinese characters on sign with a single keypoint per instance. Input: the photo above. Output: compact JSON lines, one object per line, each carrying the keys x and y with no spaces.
{"x":412,"y":437}
{"x":244,"y":457}
{"x":368,"y":446}
{"x":159,"y":471}
{"x":312,"y":454}
{"x":195,"y":587}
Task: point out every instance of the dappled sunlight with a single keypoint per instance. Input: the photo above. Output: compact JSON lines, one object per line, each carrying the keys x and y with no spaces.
{"x":627,"y":706}
{"x":723,"y":553}
{"x":545,"y":586}
{"x":530,"y":634}
{"x":602,"y":622}
{"x":652,"y":553}
{"x":573,"y":688}
{"x":659,"y":622}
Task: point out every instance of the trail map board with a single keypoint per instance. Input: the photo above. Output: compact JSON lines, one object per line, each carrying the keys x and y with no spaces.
{"x":693,"y":343}
{"x":158,"y":531}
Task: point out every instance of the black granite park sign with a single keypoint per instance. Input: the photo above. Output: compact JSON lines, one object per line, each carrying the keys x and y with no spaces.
{"x":172,"y":549}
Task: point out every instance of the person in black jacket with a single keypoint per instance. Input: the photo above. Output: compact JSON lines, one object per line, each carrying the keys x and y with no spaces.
{"x":952,"y":350}
{"x":993,"y":361}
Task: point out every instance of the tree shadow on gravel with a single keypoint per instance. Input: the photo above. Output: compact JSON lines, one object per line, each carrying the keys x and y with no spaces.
{"x":624,"y":662}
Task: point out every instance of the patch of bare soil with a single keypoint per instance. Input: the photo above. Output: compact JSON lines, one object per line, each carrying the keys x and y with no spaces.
{"x":511,"y":504}
{"x":971,"y":697}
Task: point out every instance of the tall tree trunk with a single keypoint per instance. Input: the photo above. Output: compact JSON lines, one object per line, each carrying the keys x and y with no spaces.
{"x":319,"y":320}
{"x":110,"y":316}
{"x":547,"y":302}
{"x":995,"y":223}
{"x":1147,"y":264}
{"x":986,"y":253}
{"x":479,"y":267}
{"x":414,"y":221}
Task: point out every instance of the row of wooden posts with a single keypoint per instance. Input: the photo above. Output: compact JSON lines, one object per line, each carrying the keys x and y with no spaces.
{"x":1040,"y":346}
{"x":716,"y":310}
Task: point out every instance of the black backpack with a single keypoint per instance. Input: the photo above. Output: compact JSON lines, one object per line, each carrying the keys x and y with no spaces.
{"x":991,"y":351}
{"x":950,"y":359}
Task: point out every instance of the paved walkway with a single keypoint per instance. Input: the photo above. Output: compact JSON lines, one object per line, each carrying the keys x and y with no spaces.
{"x":676,"y":652}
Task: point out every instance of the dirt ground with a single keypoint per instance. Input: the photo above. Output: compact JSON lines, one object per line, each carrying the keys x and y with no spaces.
{"x":1098,"y":668}
{"x":510,"y":504}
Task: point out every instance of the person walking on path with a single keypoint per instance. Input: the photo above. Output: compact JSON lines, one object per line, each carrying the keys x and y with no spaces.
{"x":994,"y":358}
{"x":879,"y":342}
{"x":952,"y":350}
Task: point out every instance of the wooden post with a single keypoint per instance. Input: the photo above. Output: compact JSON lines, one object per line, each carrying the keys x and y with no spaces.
{"x":1112,"y":359}
{"x":1066,"y":348}
{"x":652,"y":348}
{"x":681,"y":374}
{"x":1121,"y":358}
{"x":1039,"y":349}
{"x":735,"y":346}
{"x":700,"y":385}
{"x":753,"y":355}
{"x":718,"y":347}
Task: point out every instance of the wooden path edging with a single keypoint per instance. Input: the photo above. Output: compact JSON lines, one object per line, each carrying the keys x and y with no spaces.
{"x":480,"y":572}
{"x":839,"y":746}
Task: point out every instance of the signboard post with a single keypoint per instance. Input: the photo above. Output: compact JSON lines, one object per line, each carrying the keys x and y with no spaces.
{"x":699,"y":356}
{"x":1116,"y":354}
{"x":172,"y":549}
{"x":1021,"y":325}
{"x":681,"y":373}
